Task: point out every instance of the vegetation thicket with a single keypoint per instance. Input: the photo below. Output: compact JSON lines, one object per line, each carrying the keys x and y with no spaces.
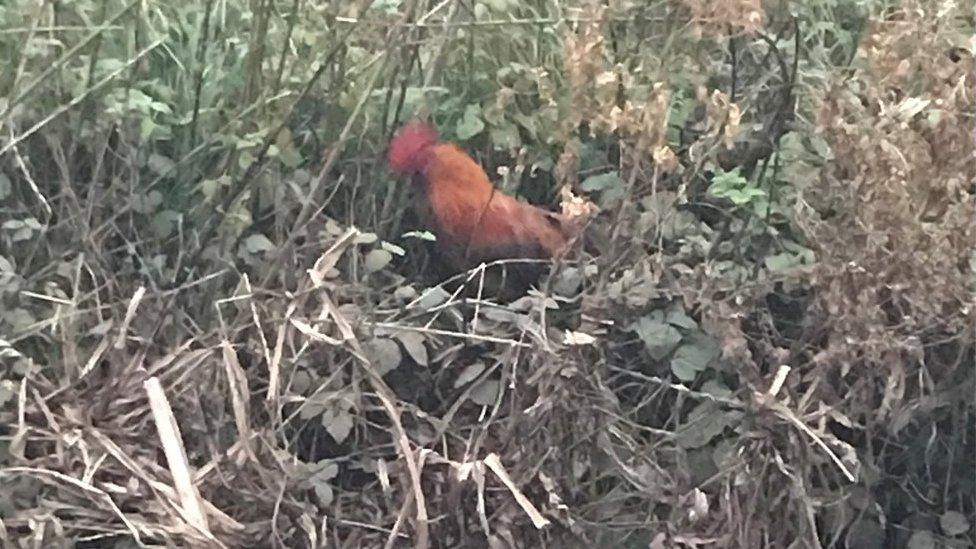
{"x":220,"y":323}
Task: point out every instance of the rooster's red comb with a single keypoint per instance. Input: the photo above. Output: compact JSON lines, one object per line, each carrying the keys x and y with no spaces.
{"x":407,"y":146}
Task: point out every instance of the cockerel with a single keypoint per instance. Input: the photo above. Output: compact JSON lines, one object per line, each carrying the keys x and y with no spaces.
{"x":474,"y":223}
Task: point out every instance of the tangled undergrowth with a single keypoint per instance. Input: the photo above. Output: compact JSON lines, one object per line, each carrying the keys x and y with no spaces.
{"x":217,"y":327}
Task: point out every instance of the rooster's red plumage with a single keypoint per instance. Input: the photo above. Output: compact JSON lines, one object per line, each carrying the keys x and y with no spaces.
{"x":474,"y":222}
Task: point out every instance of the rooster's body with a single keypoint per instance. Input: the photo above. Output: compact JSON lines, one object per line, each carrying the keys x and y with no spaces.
{"x":474,"y":222}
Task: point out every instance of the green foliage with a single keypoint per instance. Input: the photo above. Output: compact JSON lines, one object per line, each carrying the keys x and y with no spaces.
{"x":609,"y":186}
{"x":470,"y":124}
{"x":674,"y":335}
{"x":318,"y":476}
{"x":733,"y":186}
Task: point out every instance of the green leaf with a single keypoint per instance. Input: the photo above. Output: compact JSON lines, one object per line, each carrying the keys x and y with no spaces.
{"x":146,"y":127}
{"x":416,"y":98}
{"x":602,"y":182}
{"x":954,"y":523}
{"x":414,"y":343}
{"x":728,"y":180}
{"x":300,"y":382}
{"x":469,"y":374}
{"x":160,"y":107}
{"x":591,"y":156}
{"x":22,"y":234}
{"x":7,"y":391}
{"x":258,"y":243}
{"x":377,"y":259}
{"x":384,"y":354}
{"x":678,"y":112}
{"x":315,"y":405}
{"x":740,"y":197}
{"x":922,"y":539}
{"x":681,"y":224}
{"x":705,"y":422}
{"x":781,"y":262}
{"x":365,"y":238}
{"x":480,"y":12}
{"x":393,"y":248}
{"x":422,"y":235}
{"x":323,"y":491}
{"x":20,"y":319}
{"x":386,"y":6}
{"x":693,"y":357}
{"x":338,"y":423}
{"x":733,"y":186}
{"x":865,"y":533}
{"x":163,"y":223}
{"x":405,"y":293}
{"x":325,"y":469}
{"x":209,"y":187}
{"x":287,"y":152}
{"x":677,"y":317}
{"x":470,"y":124}
{"x":567,"y":283}
{"x":505,"y":136}
{"x":820,"y":147}
{"x":659,"y":337}
{"x":107,"y":65}
{"x":146,"y":204}
{"x":500,"y":6}
{"x":717,"y":389}
{"x":139,"y":101}
{"x":160,"y":164}
{"x":432,"y":297}
{"x":502,"y":316}
{"x":486,"y":392}
{"x":245,"y":159}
